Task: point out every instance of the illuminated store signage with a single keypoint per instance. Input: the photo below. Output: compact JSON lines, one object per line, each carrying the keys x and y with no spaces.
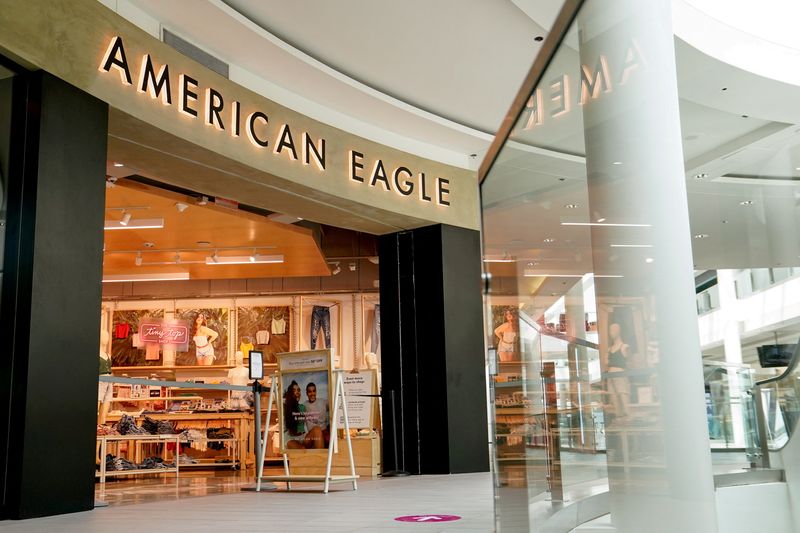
{"x":557,"y":97}
{"x":209,"y":106}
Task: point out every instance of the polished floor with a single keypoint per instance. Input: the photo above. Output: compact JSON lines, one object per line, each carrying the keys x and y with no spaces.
{"x":200,"y":504}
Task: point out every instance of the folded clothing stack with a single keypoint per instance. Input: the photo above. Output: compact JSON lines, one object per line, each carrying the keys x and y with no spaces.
{"x":114,"y":463}
{"x":127,"y":426}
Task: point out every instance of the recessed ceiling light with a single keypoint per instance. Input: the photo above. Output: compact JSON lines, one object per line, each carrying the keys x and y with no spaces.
{"x":724,"y":88}
{"x":797,"y":168}
{"x":617,"y":162}
{"x":746,"y":202}
{"x":745,"y":116}
{"x":203,"y":243}
{"x":649,"y":260}
{"x":601,"y":219}
{"x":148,"y":244}
{"x":701,"y":236}
{"x":700,"y":176}
{"x":119,"y":165}
{"x":549,"y":240}
{"x":572,"y":206}
{"x":538,"y":38}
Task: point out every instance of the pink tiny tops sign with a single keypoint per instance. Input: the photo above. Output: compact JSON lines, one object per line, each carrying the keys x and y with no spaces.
{"x":164,"y":331}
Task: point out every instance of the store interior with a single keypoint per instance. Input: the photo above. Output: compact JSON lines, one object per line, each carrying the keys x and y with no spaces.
{"x":261,"y":281}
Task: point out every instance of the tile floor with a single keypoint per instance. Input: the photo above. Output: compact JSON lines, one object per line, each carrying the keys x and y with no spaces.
{"x":372,"y":507}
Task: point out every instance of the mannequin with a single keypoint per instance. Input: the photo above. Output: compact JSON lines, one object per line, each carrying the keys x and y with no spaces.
{"x":239,"y":375}
{"x":104,"y":389}
{"x":371,"y":361}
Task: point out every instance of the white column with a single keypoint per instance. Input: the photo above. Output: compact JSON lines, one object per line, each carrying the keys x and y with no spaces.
{"x":729,"y":311}
{"x":660,"y":473}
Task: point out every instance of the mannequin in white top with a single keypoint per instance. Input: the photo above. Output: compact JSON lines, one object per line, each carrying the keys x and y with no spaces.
{"x":239,"y":375}
{"x":104,"y":389}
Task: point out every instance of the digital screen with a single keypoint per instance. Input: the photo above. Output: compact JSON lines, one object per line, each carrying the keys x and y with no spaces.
{"x":256,"y":365}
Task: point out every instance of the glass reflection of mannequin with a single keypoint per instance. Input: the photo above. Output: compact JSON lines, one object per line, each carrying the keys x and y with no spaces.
{"x":104,"y":389}
{"x":204,"y":338}
{"x":239,"y":375}
{"x":619,"y":388}
{"x":506,"y":334}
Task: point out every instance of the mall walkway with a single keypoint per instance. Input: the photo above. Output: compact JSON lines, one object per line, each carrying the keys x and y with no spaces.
{"x":372,"y":508}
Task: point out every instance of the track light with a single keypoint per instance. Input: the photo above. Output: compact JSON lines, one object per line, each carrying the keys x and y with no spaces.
{"x":352,"y":267}
{"x":126,"y":218}
{"x":203,"y":200}
{"x":336,"y":269}
{"x":181,"y":207}
{"x":138,"y":260}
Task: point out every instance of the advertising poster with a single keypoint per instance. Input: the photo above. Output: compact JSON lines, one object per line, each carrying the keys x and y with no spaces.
{"x":306,"y":393}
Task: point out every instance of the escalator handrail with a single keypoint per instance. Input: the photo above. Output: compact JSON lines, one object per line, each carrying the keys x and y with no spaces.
{"x":789,"y":369}
{"x":561,"y":336}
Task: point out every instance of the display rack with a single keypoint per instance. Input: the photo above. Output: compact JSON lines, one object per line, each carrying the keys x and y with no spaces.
{"x":136,"y":440}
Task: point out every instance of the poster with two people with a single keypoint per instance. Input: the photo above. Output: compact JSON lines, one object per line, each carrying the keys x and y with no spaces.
{"x":306,"y":387}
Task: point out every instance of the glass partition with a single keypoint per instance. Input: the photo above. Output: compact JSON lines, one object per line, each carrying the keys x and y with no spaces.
{"x":640,"y":232}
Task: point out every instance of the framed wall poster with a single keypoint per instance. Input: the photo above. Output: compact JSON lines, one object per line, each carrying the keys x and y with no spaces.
{"x":208,"y":336}
{"x":267,"y":329}
{"x":505,"y":332}
{"x":306,"y":390}
{"x":320,"y":325}
{"x":126,"y":347}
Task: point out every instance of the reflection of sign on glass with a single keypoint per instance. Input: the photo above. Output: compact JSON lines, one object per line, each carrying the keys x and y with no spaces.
{"x":360,"y":390}
{"x":166,"y":331}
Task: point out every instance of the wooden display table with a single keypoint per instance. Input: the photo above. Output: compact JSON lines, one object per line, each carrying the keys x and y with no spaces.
{"x":136,"y":440}
{"x":241,"y":422}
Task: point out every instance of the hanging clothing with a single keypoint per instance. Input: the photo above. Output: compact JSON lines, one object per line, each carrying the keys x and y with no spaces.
{"x":262,"y":336}
{"x":122,"y":330}
{"x":320,"y":318}
{"x":152,"y":351}
{"x":279,"y":326}
{"x":245,"y":348}
{"x":105,"y":364}
{"x":376,"y":330}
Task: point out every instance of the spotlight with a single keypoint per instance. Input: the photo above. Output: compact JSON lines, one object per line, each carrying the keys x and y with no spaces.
{"x":203,"y":200}
{"x":126,"y":218}
{"x":352,"y":267}
{"x":181,"y":207}
{"x":138,"y":260}
{"x":119,"y":165}
{"x":215,"y":257}
{"x":336,"y":269}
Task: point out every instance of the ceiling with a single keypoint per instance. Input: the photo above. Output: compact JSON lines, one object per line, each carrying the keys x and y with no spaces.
{"x":436,"y":78}
{"x":194,"y":232}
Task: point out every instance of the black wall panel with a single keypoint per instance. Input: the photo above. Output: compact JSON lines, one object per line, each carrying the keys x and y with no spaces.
{"x":432,"y":350}
{"x":51,"y":325}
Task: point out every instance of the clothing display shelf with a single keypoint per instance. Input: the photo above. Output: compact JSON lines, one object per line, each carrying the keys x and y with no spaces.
{"x":136,"y":441}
